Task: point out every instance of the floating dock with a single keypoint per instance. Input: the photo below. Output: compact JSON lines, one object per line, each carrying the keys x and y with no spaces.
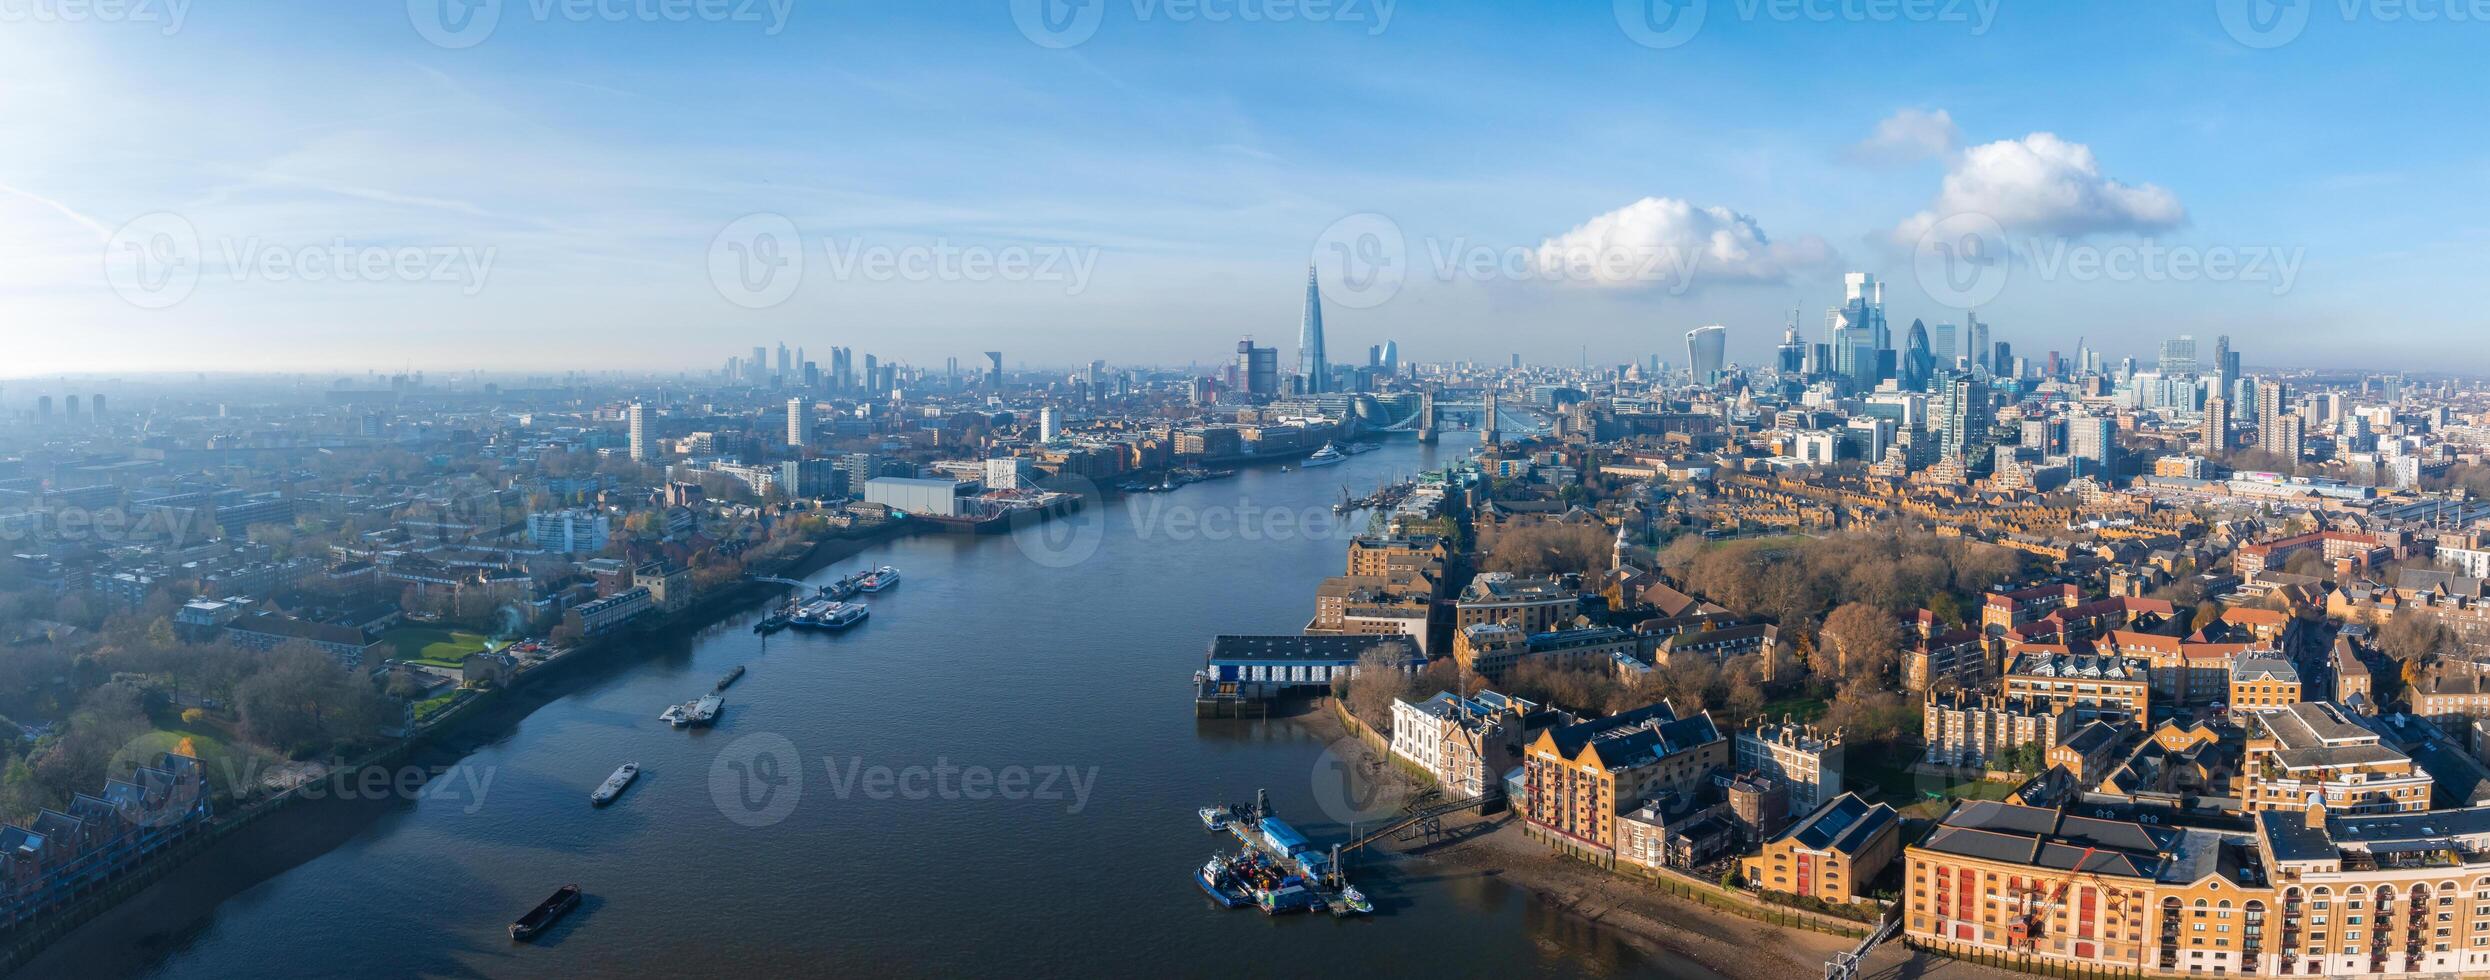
{"x":1276,"y":869}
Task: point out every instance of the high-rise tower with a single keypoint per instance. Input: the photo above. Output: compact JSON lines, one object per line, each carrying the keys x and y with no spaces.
{"x":1707,"y":352}
{"x":1311,"y":364}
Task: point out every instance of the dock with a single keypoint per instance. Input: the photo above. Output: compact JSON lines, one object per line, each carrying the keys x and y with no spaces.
{"x":1276,"y":868}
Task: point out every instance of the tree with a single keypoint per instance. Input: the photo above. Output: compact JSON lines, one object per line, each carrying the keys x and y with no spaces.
{"x":1859,"y":640}
{"x":1377,"y":682}
{"x":2416,"y":633}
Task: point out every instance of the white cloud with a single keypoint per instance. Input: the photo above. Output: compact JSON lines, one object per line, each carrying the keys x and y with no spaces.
{"x":2046,"y":185}
{"x":1663,"y":241}
{"x":1909,"y":135}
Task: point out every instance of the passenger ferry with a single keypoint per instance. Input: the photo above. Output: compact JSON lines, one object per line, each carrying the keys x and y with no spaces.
{"x":880,"y":578}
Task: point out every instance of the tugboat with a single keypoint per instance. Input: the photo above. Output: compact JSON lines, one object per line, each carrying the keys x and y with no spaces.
{"x":614,"y":784}
{"x":771,"y":623}
{"x":545,"y":914}
{"x":1326,"y":456}
{"x":881,"y":578}
{"x":1220,"y":885}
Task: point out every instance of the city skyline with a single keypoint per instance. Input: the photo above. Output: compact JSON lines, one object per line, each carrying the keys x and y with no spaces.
{"x":1158,"y":224}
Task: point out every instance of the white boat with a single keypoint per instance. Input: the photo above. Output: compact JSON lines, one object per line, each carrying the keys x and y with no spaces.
{"x":882,"y":578}
{"x":1326,"y":456}
{"x":614,"y":784}
{"x":673,"y":715}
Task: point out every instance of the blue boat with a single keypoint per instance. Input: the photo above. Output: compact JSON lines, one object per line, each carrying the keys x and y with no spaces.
{"x":1220,"y":885}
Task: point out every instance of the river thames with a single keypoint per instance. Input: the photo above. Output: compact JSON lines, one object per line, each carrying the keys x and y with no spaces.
{"x":997,"y":773}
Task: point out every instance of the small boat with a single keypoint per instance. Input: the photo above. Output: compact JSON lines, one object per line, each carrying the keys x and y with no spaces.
{"x":614,"y":784}
{"x":842,"y":589}
{"x":1218,"y":817}
{"x":1326,"y":456}
{"x":1350,"y":901}
{"x":545,"y":914}
{"x":729,"y":678}
{"x":673,"y":715}
{"x":881,"y":578}
{"x":771,"y":623}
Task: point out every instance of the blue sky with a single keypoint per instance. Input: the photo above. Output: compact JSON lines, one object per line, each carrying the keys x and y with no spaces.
{"x":562,"y":189}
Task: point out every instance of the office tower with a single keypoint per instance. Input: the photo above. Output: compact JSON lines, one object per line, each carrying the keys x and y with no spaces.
{"x":1257,"y":369}
{"x":1374,"y":356}
{"x":758,"y":366}
{"x":798,"y":414}
{"x":1919,"y":360}
{"x":2178,"y":355}
{"x":786,"y":361}
{"x":639,"y":432}
{"x":1517,"y":362}
{"x":873,"y":375}
{"x":2092,"y":444}
{"x":812,"y":375}
{"x":1048,"y":427}
{"x":994,"y":370}
{"x":2002,"y":363}
{"x":99,"y":408}
{"x":1392,"y":358}
{"x":1791,"y":358}
{"x":2215,"y":432}
{"x":43,"y":408}
{"x":1943,"y":345}
{"x":1311,"y":366}
{"x":799,"y":358}
{"x":1962,"y":416}
{"x":2225,"y":365}
{"x":1976,"y":341}
{"x":1856,"y":330}
{"x":73,"y":408}
{"x":1707,"y":352}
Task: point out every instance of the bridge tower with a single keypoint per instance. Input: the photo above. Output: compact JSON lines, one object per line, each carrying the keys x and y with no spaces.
{"x":1426,"y":417}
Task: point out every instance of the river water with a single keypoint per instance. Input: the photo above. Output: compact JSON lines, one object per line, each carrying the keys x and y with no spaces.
{"x":1045,"y":673}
